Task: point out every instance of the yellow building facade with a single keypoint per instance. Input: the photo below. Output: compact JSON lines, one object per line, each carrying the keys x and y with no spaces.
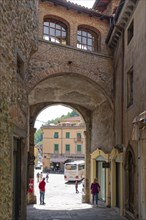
{"x":107,"y":168}
{"x":63,"y":142}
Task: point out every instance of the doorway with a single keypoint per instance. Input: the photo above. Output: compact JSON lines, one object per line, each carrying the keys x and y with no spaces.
{"x":118,"y":185}
{"x":101,"y":176}
{"x":16,"y":178}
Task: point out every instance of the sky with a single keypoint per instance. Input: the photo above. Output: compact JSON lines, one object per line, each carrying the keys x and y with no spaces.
{"x":50,"y":113}
{"x":86,"y":3}
{"x":58,"y":110}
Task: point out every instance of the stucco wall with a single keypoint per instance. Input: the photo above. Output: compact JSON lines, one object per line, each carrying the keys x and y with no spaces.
{"x":134,"y":55}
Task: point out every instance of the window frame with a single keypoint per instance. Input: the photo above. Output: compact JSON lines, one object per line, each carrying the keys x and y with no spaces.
{"x":56,"y":151}
{"x":130,"y":32}
{"x":79,"y":151}
{"x":67,"y":145}
{"x":130,"y":87}
{"x":67,"y":135}
{"x":79,"y":136}
{"x":56,"y":135}
{"x":87,"y":34}
{"x":55,"y":25}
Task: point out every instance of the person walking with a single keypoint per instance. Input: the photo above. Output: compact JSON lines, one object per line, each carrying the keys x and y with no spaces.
{"x":95,"y":188}
{"x":42,"y":191}
{"x":38,"y":177}
{"x":47,"y":177}
{"x":41,"y":176}
{"x":76,"y":186}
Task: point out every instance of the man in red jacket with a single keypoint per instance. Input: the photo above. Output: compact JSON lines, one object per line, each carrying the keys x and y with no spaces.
{"x":42,"y":191}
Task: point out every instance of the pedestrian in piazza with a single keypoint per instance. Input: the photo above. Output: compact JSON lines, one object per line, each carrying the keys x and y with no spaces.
{"x":76,"y":186}
{"x":38,"y":177}
{"x":42,"y":185}
{"x":47,"y":177}
{"x":95,"y":188}
{"x":41,"y":176}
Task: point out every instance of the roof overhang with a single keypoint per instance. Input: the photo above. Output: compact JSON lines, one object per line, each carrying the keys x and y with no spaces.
{"x":58,"y":160}
{"x":120,"y":21}
{"x":78,"y":8}
{"x":101,"y":5}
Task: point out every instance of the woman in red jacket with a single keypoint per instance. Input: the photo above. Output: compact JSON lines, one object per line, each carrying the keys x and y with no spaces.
{"x":42,"y":191}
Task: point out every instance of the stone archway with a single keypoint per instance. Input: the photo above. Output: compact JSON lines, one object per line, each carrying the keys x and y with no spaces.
{"x":34,"y":110}
{"x":84,"y":95}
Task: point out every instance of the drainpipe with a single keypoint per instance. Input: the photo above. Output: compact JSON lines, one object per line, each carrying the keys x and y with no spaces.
{"x":122,"y":115}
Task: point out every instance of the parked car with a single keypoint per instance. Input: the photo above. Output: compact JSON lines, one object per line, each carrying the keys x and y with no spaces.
{"x":38,"y":167}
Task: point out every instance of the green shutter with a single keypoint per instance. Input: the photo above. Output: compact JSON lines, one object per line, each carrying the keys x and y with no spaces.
{"x":67,"y":134}
{"x":56,"y":135}
{"x":79,"y":148}
{"x":56,"y":147}
{"x":78,"y":135}
{"x":67,"y":147}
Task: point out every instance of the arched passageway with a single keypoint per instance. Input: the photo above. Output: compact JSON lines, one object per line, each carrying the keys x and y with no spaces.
{"x":86,"y":97}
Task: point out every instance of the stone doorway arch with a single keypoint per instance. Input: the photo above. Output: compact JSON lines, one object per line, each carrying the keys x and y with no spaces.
{"x":85,"y":96}
{"x":34,"y":110}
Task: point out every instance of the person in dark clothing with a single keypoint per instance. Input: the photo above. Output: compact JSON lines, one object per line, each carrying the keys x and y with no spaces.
{"x":38,"y":176}
{"x":76,"y":186}
{"x":47,"y":177}
{"x":95,"y":188}
{"x":42,"y":191}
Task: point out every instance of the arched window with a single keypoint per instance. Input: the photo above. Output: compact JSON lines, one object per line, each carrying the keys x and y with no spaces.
{"x":55,"y":31}
{"x":87,"y":39}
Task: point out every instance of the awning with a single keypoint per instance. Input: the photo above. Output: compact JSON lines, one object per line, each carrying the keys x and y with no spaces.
{"x":58,"y":160}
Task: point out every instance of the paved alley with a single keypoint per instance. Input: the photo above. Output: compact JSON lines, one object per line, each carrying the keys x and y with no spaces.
{"x":62,"y":203}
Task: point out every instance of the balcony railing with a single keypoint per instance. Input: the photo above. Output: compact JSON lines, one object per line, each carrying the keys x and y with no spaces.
{"x":78,"y":140}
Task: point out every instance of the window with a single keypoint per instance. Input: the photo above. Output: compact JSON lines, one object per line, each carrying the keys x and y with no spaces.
{"x":81,"y":166}
{"x":20,"y":67}
{"x":67,"y":134}
{"x":87,"y":40}
{"x":78,"y":148}
{"x":78,"y":136}
{"x":130,"y":87}
{"x":71,"y":167}
{"x":130,"y":32}
{"x":56,"y":135}
{"x":56,"y":148}
{"x":55,"y":31}
{"x":67,"y":148}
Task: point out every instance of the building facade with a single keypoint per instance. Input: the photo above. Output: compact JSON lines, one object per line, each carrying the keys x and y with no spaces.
{"x":92,"y":60}
{"x":63,"y":142}
{"x":127,"y":38}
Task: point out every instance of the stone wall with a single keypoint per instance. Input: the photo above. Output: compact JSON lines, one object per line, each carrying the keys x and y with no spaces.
{"x":18,"y":42}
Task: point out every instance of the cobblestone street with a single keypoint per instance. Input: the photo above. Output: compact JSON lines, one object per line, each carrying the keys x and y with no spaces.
{"x":62,"y":203}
